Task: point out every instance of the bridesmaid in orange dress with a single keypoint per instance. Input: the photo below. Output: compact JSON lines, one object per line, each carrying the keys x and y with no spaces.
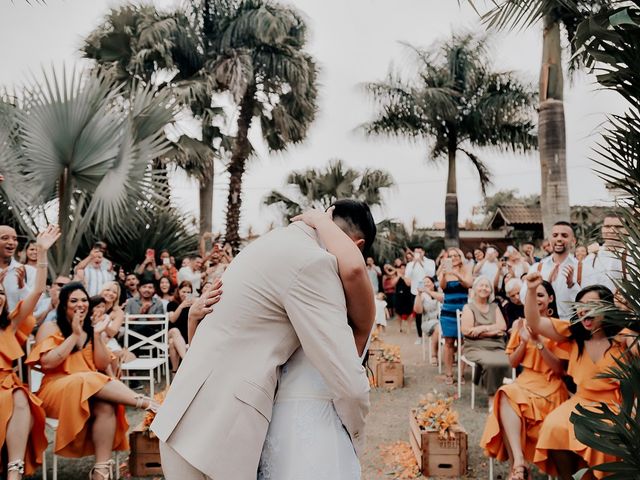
{"x":88,"y":404}
{"x":591,"y":348}
{"x":21,"y":415}
{"x":512,"y":429}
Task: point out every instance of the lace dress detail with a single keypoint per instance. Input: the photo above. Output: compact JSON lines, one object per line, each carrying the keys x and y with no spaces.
{"x":306,"y":439}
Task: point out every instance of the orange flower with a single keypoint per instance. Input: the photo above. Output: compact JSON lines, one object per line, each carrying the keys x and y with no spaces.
{"x":399,"y":458}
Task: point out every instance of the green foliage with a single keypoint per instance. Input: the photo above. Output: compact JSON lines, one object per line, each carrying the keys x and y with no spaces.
{"x":316,"y":188}
{"x":455,"y":102}
{"x":608,"y":40}
{"x":85,"y":151}
{"x":393,"y":239}
{"x":507,"y":197}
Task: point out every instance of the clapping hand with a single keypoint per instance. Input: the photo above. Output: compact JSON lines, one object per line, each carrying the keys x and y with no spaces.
{"x":568,"y":273}
{"x":21,"y":274}
{"x":77,"y":322}
{"x":101,"y":326}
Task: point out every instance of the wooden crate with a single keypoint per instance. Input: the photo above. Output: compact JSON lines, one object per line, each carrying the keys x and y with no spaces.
{"x":438,"y":457}
{"x":373,"y":361}
{"x":144,"y":460}
{"x":390,"y":375}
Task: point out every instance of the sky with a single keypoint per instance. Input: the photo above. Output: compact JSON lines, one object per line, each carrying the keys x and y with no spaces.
{"x":353,"y":41}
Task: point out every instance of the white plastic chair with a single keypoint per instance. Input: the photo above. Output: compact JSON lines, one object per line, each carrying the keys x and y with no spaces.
{"x":156,"y":344}
{"x":463,"y":359}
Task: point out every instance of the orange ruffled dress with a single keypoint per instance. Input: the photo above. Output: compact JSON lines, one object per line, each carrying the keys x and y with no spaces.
{"x":65,"y":393}
{"x":11,"y":344}
{"x":533,"y":395}
{"x":557,"y":431}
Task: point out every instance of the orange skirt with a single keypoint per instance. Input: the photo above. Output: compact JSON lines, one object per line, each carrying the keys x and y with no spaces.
{"x":557,"y":433}
{"x":37,"y":442}
{"x":66,"y":398}
{"x":532,"y":410}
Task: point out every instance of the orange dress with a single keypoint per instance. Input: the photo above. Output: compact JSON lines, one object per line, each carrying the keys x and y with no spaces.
{"x":65,"y":393}
{"x":557,"y":431}
{"x":533,"y":395}
{"x":11,"y":344}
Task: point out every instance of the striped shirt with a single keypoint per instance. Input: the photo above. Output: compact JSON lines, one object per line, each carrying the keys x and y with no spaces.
{"x":95,"y":278}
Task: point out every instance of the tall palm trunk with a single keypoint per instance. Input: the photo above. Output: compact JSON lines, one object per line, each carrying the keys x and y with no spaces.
{"x":65,"y":194}
{"x":206,"y":204}
{"x":451,"y":229}
{"x":554,"y":196}
{"x":237,"y":166}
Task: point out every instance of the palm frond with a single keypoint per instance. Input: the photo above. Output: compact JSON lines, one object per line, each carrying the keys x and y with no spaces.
{"x":484,"y":173}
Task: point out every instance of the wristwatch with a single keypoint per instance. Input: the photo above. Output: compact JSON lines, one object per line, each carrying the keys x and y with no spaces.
{"x":540,"y":345}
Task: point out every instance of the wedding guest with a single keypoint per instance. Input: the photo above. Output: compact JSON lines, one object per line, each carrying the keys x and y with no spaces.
{"x":512,"y":307}
{"x":592,"y":347}
{"x":403,"y":298}
{"x":455,"y":279}
{"x":29,"y":261}
{"x":88,"y":404}
{"x":420,"y":267}
{"x":489,"y":266}
{"x":131,"y":284}
{"x":580,"y":253}
{"x":148,"y":269}
{"x":167,"y":268}
{"x":389,"y":281}
{"x":478,"y":255}
{"x":21,"y":414}
{"x":547,"y":247}
{"x":382,"y":314}
{"x":560,"y":269}
{"x":178,"y":310}
{"x":374,"y":273}
{"x":113,"y":312}
{"x":165,"y":291}
{"x":528,"y":253}
{"x":192,"y":273}
{"x":512,"y":430}
{"x":15,"y":286}
{"x":95,"y":275}
{"x":484,"y":328}
{"x":145,"y":304}
{"x":607,"y":265}
{"x":427,"y":304}
{"x":48,"y":312}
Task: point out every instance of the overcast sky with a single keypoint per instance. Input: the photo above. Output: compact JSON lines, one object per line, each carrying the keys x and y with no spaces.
{"x":353,"y":41}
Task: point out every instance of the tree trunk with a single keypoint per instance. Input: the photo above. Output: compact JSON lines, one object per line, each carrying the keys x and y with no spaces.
{"x":451,"y":228}
{"x":554,"y":197}
{"x":237,"y":166}
{"x":62,"y":265}
{"x":206,"y":204}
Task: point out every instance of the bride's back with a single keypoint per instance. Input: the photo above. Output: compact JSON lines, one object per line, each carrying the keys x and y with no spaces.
{"x":300,"y":379}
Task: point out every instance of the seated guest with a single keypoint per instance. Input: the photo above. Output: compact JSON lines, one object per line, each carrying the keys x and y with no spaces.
{"x":178,"y":310}
{"x":592,"y":348}
{"x":22,"y":419}
{"x":165,"y":291}
{"x":483,"y":327}
{"x":146,"y":303}
{"x":512,"y":429}
{"x":88,"y":404}
{"x":428,"y":301}
{"x":512,"y":307}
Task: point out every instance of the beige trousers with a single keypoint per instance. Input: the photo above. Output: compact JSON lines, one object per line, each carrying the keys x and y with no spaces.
{"x":175,"y":467}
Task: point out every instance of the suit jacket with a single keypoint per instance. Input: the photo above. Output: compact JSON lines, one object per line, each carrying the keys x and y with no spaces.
{"x":281,"y":292}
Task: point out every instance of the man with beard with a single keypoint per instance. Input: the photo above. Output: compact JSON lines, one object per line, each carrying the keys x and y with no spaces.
{"x":604,"y":266}
{"x":560,"y":268}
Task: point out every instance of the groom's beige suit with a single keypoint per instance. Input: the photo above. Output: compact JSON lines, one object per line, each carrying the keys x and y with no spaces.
{"x":281,"y":292}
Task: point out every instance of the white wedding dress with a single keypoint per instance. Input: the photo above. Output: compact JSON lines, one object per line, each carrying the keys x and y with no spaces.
{"x":306,"y":439}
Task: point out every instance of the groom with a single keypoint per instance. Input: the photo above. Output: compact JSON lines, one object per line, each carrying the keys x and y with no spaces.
{"x":282,"y":291}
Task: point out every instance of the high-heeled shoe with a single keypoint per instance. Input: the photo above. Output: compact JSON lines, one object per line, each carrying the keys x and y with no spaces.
{"x":16,"y":466}
{"x":152,"y":405}
{"x":100,"y":469}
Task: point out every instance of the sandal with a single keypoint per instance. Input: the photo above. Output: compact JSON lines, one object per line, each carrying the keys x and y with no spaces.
{"x":100,"y":469}
{"x":152,"y":405}
{"x":448,"y":379}
{"x":16,"y":466}
{"x":519,"y":472}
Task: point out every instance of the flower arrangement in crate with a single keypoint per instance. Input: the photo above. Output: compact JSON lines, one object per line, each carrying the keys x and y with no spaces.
{"x":435,"y":413}
{"x":150,"y":416}
{"x":390,"y":353}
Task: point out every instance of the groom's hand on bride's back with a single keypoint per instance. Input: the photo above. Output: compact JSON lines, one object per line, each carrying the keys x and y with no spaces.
{"x":203,"y":305}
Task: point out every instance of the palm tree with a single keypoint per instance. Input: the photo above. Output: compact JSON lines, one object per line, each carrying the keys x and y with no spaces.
{"x":554,"y":15}
{"x":85,"y":156}
{"x":456,"y":101}
{"x":315,"y":188}
{"x":264,"y":65}
{"x":171,"y":50}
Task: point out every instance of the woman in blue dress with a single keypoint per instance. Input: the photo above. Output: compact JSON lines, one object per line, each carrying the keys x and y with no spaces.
{"x":455,"y":279}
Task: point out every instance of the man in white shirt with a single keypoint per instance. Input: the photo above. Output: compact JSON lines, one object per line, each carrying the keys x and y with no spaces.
{"x":192,"y":273}
{"x":374,"y":273}
{"x":95,"y":274}
{"x":603,"y":266}
{"x":560,"y":269}
{"x":12,"y":272}
{"x":416,"y":270}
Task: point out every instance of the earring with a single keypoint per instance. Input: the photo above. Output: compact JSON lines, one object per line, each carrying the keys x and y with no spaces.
{"x":549,"y":312}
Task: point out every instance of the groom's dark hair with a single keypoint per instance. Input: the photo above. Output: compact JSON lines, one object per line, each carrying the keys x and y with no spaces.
{"x":355,"y":219}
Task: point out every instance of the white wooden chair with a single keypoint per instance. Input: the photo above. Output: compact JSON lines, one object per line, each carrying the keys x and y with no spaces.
{"x":462,"y":359}
{"x":156,"y":345}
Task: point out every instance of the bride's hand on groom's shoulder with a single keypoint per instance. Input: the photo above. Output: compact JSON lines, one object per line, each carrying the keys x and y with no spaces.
{"x":203,"y":305}
{"x":314,"y":217}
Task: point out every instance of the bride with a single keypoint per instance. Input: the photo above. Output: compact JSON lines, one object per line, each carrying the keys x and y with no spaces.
{"x":306,"y":439}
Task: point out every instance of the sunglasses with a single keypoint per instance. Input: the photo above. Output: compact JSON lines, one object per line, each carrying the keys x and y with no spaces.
{"x":59,"y":284}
